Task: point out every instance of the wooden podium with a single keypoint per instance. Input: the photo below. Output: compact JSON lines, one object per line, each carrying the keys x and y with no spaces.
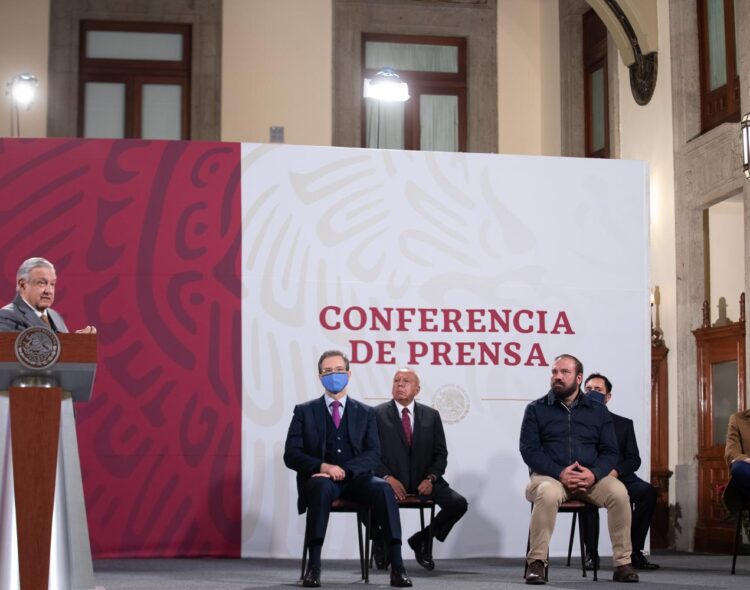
{"x":36,"y":394}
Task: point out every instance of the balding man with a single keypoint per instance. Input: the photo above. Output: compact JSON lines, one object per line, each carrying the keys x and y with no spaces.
{"x":413,"y":458}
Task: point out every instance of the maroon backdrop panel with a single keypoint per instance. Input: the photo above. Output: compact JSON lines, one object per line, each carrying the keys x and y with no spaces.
{"x":146,"y":240}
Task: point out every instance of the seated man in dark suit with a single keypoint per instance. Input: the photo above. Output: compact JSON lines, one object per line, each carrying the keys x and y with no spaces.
{"x":333,"y":446}
{"x":642,"y":494}
{"x":35,"y":292}
{"x":413,"y":458}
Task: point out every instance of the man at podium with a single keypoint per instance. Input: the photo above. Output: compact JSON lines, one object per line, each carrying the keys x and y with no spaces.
{"x":44,"y":541}
{"x":35,"y":293}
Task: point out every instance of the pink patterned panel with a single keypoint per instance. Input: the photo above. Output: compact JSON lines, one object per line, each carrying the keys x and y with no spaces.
{"x":145,"y":236}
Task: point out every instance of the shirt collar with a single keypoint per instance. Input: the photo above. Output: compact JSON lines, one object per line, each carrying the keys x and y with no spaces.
{"x":399,"y":407}
{"x":330,"y":400}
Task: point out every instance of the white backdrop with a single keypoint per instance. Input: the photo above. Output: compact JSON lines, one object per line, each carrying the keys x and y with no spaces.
{"x":563,"y":241}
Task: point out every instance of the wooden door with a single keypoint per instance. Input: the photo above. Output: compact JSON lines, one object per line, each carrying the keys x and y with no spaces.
{"x":721,"y":392}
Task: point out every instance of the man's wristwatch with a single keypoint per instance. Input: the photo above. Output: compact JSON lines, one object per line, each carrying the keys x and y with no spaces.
{"x":431,"y":478}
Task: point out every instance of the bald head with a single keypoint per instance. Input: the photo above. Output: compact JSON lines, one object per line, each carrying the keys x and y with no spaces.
{"x":405,"y":386}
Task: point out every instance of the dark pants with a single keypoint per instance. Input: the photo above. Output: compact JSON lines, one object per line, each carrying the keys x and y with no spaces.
{"x":320,"y":492}
{"x":643,"y":496}
{"x":452,"y":507}
{"x":740,"y":471}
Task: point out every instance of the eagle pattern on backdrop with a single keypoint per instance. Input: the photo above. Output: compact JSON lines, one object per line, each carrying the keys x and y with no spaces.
{"x":145,"y":236}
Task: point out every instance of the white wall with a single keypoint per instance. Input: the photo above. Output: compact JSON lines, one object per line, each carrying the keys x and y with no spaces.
{"x":276,"y":70}
{"x":726,"y":244}
{"x":528,"y":63}
{"x":646,"y":134}
{"x":24,"y":46}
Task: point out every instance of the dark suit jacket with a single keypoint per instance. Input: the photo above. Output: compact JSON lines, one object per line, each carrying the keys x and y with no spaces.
{"x":628,"y":459}
{"x":306,"y":441}
{"x":428,"y":452}
{"x":17,"y":316}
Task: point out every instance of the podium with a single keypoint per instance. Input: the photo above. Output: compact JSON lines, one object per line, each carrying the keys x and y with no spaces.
{"x":44,"y":540}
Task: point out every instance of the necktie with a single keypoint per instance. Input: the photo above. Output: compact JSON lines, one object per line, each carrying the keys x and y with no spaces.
{"x":335,"y":413}
{"x":407,"y":425}
{"x":45,"y":319}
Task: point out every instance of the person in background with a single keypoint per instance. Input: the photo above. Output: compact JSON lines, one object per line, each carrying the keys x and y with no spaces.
{"x":642,"y":494}
{"x":413,"y":459}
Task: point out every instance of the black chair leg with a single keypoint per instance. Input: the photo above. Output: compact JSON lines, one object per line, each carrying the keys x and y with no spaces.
{"x":367,"y":545}
{"x":361,"y":548}
{"x":572,"y":536}
{"x":583,"y":549}
{"x":737,"y":540}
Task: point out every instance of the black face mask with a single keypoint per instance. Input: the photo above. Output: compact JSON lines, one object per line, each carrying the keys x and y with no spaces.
{"x":597,"y":396}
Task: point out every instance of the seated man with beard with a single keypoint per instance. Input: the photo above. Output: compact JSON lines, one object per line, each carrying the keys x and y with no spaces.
{"x":569,"y":444}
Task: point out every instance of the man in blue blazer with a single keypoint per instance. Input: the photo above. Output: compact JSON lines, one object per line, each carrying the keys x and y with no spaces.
{"x":642,"y":494}
{"x":333,"y":446}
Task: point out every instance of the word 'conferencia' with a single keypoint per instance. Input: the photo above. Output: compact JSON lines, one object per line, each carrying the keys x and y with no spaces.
{"x":430,"y":320}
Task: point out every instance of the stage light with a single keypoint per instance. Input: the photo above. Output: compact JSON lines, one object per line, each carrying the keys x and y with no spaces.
{"x":387,"y":86}
{"x":745,"y":128}
{"x":21,"y":89}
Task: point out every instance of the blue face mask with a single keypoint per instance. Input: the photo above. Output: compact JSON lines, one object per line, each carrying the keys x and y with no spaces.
{"x":335,"y":382}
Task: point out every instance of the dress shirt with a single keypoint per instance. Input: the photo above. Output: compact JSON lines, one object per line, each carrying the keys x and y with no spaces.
{"x":410,"y":407}
{"x":329,"y":405}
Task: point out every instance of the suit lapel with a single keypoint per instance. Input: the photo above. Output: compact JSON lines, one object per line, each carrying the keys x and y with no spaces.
{"x":418,"y":415}
{"x":355,"y":428}
{"x":27,"y":312}
{"x":320,"y":410}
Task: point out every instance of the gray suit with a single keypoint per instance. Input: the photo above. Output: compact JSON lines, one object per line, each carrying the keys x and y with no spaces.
{"x":17,"y":316}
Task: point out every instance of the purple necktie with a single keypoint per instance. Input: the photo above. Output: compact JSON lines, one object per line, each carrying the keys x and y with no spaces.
{"x":335,"y":413}
{"x":407,"y":425}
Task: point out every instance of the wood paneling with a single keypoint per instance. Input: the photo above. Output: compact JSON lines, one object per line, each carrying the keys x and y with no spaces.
{"x":713,"y":533}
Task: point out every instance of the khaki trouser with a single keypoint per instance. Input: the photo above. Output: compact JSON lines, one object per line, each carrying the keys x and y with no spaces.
{"x":547,"y":493}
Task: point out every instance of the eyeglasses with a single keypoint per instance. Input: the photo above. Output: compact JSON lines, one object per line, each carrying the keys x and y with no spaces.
{"x":333,"y":370}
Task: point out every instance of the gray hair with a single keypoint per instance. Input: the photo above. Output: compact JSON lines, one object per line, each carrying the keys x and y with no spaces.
{"x":409,"y":370}
{"x":24,"y":271}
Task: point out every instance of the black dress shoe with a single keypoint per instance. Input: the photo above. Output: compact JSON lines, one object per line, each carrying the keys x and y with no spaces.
{"x":312,"y":577}
{"x":419,"y":545}
{"x":592,"y":559}
{"x":641,"y":562}
{"x":399,"y":578}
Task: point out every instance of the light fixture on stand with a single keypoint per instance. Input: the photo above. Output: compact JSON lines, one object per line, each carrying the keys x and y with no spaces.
{"x":387,"y":85}
{"x":21,"y":89}
{"x":745,"y":128}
